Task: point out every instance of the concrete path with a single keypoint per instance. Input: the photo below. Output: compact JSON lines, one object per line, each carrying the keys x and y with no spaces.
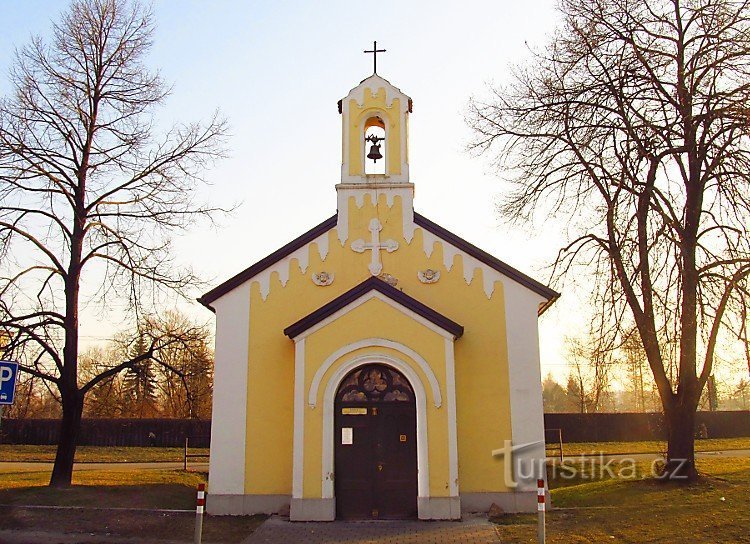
{"x":24,"y":466}
{"x":39,"y":537}
{"x":12,"y":466}
{"x":277,"y":530}
{"x":652,"y":456}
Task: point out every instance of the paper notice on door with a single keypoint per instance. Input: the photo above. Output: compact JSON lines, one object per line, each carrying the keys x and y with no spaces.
{"x":347,"y":436}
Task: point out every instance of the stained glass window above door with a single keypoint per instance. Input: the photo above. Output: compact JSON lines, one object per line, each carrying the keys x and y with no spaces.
{"x":375,"y":383}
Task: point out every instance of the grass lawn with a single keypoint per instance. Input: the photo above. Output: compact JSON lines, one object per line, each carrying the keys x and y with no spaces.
{"x":145,"y":489}
{"x":652,"y":446}
{"x":99,"y":454}
{"x":156,"y":527}
{"x":641,"y":510}
{"x":167,"y":489}
{"x":590,"y":506}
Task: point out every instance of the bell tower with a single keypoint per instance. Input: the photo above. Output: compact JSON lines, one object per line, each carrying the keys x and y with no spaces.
{"x":375,"y":104}
{"x":374,"y":145}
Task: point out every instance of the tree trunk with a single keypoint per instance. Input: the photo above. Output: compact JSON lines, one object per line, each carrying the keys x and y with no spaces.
{"x":680,"y":465}
{"x":70,"y":426}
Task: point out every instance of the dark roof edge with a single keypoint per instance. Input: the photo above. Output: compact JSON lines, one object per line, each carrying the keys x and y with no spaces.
{"x":312,"y":319}
{"x":264,"y":263}
{"x":550,"y":294}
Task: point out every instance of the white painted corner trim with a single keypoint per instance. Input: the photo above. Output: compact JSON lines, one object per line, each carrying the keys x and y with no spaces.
{"x":312,"y":398}
{"x":423,"y":472}
{"x":450,"y":391}
{"x":298,"y":445}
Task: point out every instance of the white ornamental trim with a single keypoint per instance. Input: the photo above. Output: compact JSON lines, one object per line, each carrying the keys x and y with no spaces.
{"x":323,"y":278}
{"x":283,"y":267}
{"x":490,"y":276}
{"x":428,"y":276}
{"x":360,"y":246}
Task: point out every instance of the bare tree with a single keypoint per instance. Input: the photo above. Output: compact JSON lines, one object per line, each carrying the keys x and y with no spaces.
{"x":589,"y":376}
{"x":89,"y":195}
{"x":106,"y":398}
{"x":174,"y":381}
{"x":139,"y":381}
{"x":553,"y":395}
{"x":634,"y":124}
{"x":741,"y":395}
{"x":635,"y":363}
{"x":188,"y":393}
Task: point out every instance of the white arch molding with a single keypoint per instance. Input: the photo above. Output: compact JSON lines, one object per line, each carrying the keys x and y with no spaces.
{"x":329,"y":396}
{"x":323,"y":508}
{"x":437,"y":398}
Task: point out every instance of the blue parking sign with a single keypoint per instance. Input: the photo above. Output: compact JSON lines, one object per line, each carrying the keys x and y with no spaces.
{"x":8,"y":375}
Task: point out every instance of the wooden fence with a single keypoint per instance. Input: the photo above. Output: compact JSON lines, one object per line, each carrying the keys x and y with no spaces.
{"x":632,"y":427}
{"x":111,"y":432}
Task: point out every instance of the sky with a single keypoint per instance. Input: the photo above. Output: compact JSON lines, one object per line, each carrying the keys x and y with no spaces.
{"x":275,"y":70}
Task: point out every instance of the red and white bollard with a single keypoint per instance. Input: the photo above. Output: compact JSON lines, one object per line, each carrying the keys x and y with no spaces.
{"x":541,"y":498}
{"x":199,"y":508}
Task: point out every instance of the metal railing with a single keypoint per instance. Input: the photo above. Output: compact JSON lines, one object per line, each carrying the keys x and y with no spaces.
{"x":553,"y":440}
{"x":190,"y":455}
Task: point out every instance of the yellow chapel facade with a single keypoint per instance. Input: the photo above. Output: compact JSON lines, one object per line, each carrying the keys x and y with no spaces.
{"x":370,"y":368}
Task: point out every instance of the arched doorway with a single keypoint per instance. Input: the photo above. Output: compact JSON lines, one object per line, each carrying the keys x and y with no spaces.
{"x":375,"y":445}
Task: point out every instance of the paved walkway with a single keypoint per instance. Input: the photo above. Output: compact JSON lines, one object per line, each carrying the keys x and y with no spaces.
{"x":278,"y":530}
{"x":39,"y":537}
{"x":651,"y":456}
{"x":33,"y":466}
{"x":202,"y":466}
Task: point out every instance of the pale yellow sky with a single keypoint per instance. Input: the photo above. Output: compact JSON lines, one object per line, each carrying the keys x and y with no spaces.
{"x":276,"y":71}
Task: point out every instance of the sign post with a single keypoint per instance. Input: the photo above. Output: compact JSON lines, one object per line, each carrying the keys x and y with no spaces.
{"x":8,"y":376}
{"x":200,"y":506}
{"x":540,"y":533}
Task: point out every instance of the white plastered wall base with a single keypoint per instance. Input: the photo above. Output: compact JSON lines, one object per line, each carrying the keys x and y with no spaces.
{"x":313,"y":509}
{"x":439,"y":508}
{"x":246,"y":505}
{"x":511,"y":502}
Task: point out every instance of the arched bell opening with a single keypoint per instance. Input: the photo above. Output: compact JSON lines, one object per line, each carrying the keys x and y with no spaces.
{"x":375,"y":445}
{"x":375,"y":149}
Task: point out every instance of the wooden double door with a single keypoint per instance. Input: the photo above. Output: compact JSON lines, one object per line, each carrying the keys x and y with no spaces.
{"x":375,"y":446}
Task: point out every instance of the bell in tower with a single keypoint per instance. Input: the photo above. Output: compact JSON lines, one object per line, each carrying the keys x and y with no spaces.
{"x":375,"y":138}
{"x":374,"y":153}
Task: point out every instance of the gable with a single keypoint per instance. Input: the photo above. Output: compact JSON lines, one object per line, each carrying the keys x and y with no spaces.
{"x":298,"y":249}
{"x":356,"y":295}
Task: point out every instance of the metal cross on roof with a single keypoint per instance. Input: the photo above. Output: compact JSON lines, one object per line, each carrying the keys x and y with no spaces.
{"x":375,"y":52}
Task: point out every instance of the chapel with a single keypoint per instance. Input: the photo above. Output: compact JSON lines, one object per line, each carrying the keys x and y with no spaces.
{"x":372,"y":367}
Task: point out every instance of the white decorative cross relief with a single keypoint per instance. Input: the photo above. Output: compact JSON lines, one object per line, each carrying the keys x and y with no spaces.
{"x":360,"y":246}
